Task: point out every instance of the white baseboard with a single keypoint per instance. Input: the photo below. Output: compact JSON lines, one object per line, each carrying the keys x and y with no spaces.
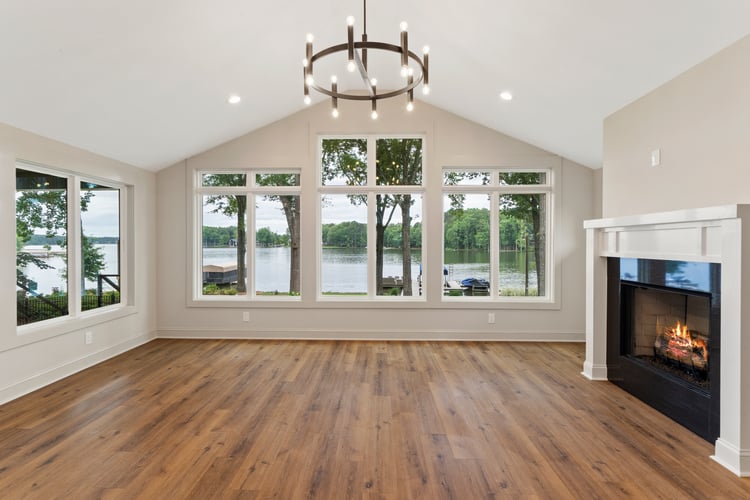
{"x":54,"y":374}
{"x":594,"y":372}
{"x":313,"y":334}
{"x":733,"y":458}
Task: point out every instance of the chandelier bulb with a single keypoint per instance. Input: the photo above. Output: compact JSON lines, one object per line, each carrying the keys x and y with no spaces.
{"x":426,"y":49}
{"x":404,"y":71}
{"x":350,"y":21}
{"x":425,"y":89}
{"x":410,"y":106}
{"x":334,"y":79}
{"x":310,"y":38}
{"x":335,"y":113}
{"x":374,"y":81}
{"x":310,"y":81}
{"x":351,"y":67}
{"x":307,"y":100}
{"x":374,"y":115}
{"x":404,"y":26}
{"x":305,"y":62}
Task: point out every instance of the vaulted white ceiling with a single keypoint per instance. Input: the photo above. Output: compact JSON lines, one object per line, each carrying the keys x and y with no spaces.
{"x":146,"y":81}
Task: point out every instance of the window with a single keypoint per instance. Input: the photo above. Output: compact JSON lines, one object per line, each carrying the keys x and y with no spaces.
{"x":63,"y":266}
{"x":495,"y":233}
{"x":371,"y":197}
{"x":250,"y":243}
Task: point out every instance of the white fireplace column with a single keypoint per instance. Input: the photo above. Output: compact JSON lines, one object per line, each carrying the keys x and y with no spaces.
{"x":711,"y":234}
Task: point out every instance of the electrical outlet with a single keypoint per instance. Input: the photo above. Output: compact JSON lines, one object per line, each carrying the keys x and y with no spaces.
{"x":245,"y":316}
{"x":88,"y":337}
{"x":491,"y":318}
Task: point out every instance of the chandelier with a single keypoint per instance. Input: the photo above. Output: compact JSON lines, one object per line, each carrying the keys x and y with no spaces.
{"x":357,"y":61}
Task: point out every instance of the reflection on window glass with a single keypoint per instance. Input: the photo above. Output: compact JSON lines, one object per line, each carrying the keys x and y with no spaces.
{"x":523,"y":249}
{"x":41,"y":246}
{"x":277,"y":245}
{"x":100,"y":245}
{"x":344,"y":239}
{"x":224,"y":244}
{"x":398,"y":162}
{"x":398,"y":267}
{"x":466,"y":219}
{"x":344,"y":162}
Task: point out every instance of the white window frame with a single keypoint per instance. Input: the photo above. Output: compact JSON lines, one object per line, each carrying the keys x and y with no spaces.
{"x":370,"y":190}
{"x":553,"y":208}
{"x":76,"y":318}
{"x":250,"y":190}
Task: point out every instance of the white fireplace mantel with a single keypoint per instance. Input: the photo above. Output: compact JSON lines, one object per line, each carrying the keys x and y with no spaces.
{"x":711,"y":234}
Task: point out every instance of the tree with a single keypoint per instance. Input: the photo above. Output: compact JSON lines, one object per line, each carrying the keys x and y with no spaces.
{"x":529,"y":208}
{"x":398,"y":163}
{"x":291,"y":208}
{"x":46,"y":208}
{"x":232,"y":205}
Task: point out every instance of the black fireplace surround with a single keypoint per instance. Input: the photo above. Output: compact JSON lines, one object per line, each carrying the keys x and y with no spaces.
{"x":685,"y":390}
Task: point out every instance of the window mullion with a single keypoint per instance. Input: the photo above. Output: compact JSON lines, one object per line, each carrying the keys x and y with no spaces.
{"x":494,"y":245}
{"x":75,"y":252}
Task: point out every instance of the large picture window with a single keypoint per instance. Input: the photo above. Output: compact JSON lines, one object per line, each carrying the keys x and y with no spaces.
{"x":250,"y":234}
{"x":371,"y":198}
{"x":63,"y":266}
{"x":495,"y":233}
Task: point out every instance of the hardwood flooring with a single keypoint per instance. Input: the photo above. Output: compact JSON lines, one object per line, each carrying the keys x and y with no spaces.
{"x":337,"y":420}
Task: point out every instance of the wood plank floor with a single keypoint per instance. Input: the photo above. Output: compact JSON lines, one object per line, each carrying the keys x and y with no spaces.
{"x":336,"y":420}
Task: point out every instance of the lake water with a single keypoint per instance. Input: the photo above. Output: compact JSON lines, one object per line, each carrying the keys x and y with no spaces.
{"x":47,"y":279}
{"x":343,"y":269}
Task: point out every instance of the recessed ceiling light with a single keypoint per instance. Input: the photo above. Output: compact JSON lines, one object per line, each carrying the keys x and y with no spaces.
{"x":506,"y":96}
{"x":234,"y":99}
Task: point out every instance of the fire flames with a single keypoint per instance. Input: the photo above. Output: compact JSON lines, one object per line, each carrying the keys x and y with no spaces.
{"x":677,"y":344}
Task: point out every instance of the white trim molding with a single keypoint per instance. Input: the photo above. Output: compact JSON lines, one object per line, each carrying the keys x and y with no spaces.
{"x":713,"y":234}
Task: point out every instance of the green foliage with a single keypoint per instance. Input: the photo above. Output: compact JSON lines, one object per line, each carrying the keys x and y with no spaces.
{"x":393,"y":235}
{"x":467,"y":229}
{"x":345,"y":235}
{"x":46,"y":208}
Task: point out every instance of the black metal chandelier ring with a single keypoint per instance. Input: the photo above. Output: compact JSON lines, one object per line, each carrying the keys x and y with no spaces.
{"x":343,"y":47}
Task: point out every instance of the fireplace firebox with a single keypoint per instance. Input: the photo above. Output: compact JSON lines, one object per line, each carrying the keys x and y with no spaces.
{"x":663,"y":337}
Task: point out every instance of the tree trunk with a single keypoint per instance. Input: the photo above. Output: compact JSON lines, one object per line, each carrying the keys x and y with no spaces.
{"x":379,"y":244}
{"x":291,"y":211}
{"x":241,"y":244}
{"x":406,"y":243}
{"x":538,"y":216}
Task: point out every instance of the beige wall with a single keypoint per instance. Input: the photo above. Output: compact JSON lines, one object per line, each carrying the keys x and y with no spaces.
{"x":701,"y":123}
{"x":31,"y":358}
{"x":450,"y":141}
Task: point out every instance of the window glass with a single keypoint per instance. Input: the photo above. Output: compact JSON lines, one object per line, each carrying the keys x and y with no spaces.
{"x":277,"y":245}
{"x":100,"y":245}
{"x":264,"y":179}
{"x":41,"y":246}
{"x":398,"y":162}
{"x":466,"y":237}
{"x":465,"y":178}
{"x":522,"y":178}
{"x":399,"y":270}
{"x":344,"y":162}
{"x":344,"y":245}
{"x":522,"y":255}
{"x":224,"y":180}
{"x":224,"y":245}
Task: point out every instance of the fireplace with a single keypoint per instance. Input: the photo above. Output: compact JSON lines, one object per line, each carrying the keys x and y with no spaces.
{"x":663,"y":337}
